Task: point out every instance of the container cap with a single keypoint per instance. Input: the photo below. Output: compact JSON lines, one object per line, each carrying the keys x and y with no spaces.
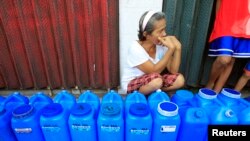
{"x":158,"y":94}
{"x":231,"y":93}
{"x":139,"y":109}
{"x":229,"y":113}
{"x":81,"y":109}
{"x":110,"y":109}
{"x":167,"y":108}
{"x":52,"y":109}
{"x":23,"y":111}
{"x":207,"y":93}
{"x":158,"y":90}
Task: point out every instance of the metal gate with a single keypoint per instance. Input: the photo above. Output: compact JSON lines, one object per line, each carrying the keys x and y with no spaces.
{"x":59,"y":44}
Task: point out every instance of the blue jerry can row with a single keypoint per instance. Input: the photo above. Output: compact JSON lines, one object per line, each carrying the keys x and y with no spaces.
{"x":113,"y":118}
{"x":205,"y":108}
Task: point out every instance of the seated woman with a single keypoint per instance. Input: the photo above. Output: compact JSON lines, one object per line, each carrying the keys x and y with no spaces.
{"x":153,"y":61}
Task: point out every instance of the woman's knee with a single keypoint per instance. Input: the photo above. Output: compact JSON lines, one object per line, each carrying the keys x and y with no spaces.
{"x":156,"y":83}
{"x":180,"y":81}
{"x":225,"y":60}
{"x":246,"y":75}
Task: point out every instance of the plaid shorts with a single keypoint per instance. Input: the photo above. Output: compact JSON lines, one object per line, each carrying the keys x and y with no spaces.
{"x":135,"y":84}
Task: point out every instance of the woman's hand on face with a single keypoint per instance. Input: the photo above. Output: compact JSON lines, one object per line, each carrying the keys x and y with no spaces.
{"x":176,"y":42}
{"x":166,"y":41}
{"x":170,"y":42}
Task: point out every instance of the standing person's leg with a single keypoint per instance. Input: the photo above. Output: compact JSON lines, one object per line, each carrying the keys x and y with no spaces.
{"x":218,"y":67}
{"x":244,"y":78}
{"x":224,"y":76}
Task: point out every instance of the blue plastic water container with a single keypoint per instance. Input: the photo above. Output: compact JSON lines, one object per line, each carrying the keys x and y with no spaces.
{"x":113,"y":97}
{"x":134,"y":97}
{"x":194,"y":125}
{"x":166,"y":122}
{"x":232,"y":99}
{"x":14,"y":100}
{"x":25,"y":119}
{"x":138,"y":119}
{"x":110,"y":122}
{"x":54,"y":123}
{"x":89,"y":97}
{"x":66,"y":99}
{"x":39,"y":100}
{"x":183,"y":99}
{"x":156,"y":97}
{"x":9,"y":103}
{"x":216,"y":111}
{"x":6,"y":133}
{"x":2,"y":98}
{"x":207,"y":99}
{"x":223,"y":116}
{"x":247,"y":99}
{"x":82,"y":123}
{"x":25,"y":123}
{"x":244,"y":117}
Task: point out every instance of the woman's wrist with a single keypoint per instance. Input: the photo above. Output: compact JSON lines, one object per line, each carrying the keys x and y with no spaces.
{"x":178,"y":47}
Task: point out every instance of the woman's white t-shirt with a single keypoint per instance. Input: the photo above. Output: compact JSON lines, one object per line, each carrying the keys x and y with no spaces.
{"x":135,"y":56}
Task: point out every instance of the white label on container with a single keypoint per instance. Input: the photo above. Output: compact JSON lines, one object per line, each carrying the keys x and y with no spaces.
{"x":23,"y":130}
{"x":143,"y":131}
{"x":168,"y":128}
{"x":51,"y":128}
{"x":110,"y":128}
{"x":81,"y":127}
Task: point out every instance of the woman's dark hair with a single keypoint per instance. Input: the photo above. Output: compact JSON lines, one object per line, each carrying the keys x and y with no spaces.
{"x":150,"y":24}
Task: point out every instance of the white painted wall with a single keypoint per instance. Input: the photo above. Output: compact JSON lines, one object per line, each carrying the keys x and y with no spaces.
{"x":130,"y":12}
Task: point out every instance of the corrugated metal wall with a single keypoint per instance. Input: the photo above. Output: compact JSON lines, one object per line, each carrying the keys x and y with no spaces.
{"x":59,"y":44}
{"x":189,"y":20}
